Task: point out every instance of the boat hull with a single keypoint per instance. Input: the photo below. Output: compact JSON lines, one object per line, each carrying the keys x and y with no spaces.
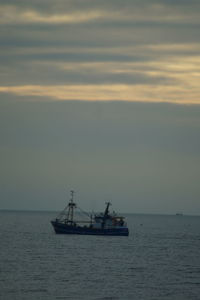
{"x":61,"y":228}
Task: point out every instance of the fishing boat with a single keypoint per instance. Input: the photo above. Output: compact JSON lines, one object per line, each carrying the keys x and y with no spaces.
{"x":105,"y":223}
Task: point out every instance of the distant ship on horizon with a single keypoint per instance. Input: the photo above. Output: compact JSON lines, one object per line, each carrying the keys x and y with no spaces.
{"x":105,"y":223}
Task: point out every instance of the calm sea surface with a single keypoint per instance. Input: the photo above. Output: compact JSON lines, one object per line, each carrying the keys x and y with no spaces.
{"x":159,"y":260}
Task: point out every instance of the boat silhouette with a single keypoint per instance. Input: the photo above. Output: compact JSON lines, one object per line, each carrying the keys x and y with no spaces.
{"x":105,"y":223}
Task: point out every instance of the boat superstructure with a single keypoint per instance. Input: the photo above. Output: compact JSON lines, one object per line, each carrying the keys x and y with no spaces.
{"x":96,"y":224}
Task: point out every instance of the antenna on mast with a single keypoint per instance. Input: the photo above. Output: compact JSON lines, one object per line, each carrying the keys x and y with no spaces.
{"x":72,"y":196}
{"x":71,"y":205}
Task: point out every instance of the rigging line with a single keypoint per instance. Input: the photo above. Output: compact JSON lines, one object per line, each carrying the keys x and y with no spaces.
{"x":84,"y":212}
{"x":63,"y":212}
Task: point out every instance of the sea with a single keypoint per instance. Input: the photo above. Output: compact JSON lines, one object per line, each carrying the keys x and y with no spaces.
{"x":159,"y":260}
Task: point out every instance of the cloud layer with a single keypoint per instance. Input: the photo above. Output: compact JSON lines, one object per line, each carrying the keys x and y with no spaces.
{"x":100,"y":50}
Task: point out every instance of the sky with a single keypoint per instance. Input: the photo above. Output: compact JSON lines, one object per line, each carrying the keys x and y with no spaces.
{"x":102,"y":97}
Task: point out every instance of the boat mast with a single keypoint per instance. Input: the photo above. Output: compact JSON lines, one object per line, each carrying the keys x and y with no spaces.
{"x":71,"y":206}
{"x":107,"y":209}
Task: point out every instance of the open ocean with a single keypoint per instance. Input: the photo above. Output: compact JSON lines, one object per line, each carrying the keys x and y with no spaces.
{"x":159,"y":260}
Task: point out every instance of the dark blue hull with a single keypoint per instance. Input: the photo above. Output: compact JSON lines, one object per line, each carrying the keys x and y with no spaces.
{"x":84,"y":230}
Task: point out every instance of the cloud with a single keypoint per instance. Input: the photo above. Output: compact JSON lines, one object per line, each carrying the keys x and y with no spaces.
{"x":112,"y":13}
{"x":111,"y":92}
{"x":14,"y":15}
{"x":167,"y":78}
{"x":103,"y":50}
